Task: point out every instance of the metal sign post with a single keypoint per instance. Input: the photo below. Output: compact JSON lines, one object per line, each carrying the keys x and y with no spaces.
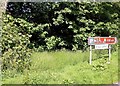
{"x":101,"y":43}
{"x":109,"y":52}
{"x":90,"y":54}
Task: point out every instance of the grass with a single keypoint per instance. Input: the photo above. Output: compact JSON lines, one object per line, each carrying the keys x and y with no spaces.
{"x":66,"y":67}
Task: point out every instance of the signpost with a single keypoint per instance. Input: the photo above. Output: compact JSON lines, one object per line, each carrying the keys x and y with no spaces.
{"x":101,"y":43}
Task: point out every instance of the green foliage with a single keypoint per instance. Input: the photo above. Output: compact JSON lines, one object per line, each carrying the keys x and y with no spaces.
{"x":52,"y":42}
{"x":15,"y":53}
{"x":51,"y":26}
{"x":65,"y":24}
{"x":66,"y":67}
{"x":101,"y":65}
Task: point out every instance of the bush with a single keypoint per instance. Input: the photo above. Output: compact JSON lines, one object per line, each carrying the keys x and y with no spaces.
{"x":15,"y":53}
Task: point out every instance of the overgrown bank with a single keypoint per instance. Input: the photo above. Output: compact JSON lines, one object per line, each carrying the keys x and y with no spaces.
{"x":65,"y":67}
{"x":49,"y":27}
{"x":53,"y":26}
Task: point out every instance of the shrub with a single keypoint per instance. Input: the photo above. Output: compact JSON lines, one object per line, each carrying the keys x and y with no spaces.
{"x":15,"y":53}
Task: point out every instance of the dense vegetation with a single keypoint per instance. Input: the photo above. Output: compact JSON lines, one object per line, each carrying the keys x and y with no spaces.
{"x":65,"y":24}
{"x":49,"y":26}
{"x":66,"y":67}
{"x":15,"y":53}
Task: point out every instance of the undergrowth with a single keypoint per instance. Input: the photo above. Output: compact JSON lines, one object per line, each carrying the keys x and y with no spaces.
{"x":66,"y":67}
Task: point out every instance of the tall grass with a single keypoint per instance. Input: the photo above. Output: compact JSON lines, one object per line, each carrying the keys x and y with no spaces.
{"x":57,"y":60}
{"x":65,"y":67}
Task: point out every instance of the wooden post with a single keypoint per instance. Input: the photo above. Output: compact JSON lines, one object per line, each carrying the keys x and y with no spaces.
{"x":90,"y":55}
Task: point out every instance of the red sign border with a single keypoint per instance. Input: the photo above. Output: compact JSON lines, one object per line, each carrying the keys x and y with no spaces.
{"x":102,"y":43}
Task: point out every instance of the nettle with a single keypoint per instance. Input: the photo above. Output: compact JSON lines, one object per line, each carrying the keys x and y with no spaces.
{"x":15,"y":53}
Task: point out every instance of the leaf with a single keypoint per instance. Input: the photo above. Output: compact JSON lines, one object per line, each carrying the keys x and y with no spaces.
{"x":70,"y":26}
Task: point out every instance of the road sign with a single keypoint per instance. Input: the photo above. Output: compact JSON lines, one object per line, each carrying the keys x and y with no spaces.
{"x":101,"y":43}
{"x":101,"y":40}
{"x":101,"y":46}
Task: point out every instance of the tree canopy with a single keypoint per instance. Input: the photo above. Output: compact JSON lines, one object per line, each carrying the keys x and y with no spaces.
{"x":67,"y":24}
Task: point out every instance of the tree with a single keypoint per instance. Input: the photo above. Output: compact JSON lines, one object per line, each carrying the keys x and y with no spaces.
{"x":67,"y":24}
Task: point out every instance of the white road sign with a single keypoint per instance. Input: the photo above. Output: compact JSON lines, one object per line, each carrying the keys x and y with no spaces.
{"x":101,"y":46}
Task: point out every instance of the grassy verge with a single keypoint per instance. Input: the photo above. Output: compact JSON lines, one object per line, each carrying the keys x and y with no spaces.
{"x":65,"y":67}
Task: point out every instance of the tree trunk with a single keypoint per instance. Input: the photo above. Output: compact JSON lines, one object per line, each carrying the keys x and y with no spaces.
{"x":3,"y":4}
